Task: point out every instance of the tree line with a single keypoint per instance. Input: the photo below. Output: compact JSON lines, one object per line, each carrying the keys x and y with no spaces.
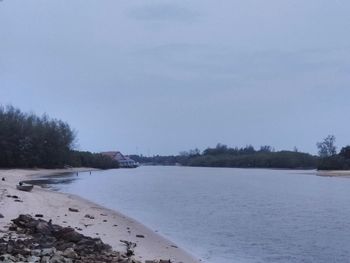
{"x":29,"y":141}
{"x":264,"y":157}
{"x":245,"y":157}
{"x":248,"y":157}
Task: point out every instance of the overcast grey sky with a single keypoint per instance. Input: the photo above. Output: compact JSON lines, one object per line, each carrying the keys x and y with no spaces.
{"x":159,"y":76}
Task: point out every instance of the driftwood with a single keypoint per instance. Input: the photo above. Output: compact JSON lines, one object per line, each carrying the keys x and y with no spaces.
{"x":130,"y":246}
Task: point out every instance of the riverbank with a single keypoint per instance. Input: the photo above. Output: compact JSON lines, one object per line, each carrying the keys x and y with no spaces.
{"x":86,"y":217}
{"x":334,"y":173}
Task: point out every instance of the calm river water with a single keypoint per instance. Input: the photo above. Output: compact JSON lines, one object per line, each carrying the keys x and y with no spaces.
{"x":231,"y":215}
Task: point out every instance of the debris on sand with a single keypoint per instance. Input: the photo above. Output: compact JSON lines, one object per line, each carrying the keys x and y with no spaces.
{"x":36,"y":240}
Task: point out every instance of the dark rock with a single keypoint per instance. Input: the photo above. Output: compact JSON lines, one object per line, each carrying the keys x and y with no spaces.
{"x":7,"y":258}
{"x":130,"y":252}
{"x":43,"y":228}
{"x":21,"y":258}
{"x":140,"y":236}
{"x":89,"y":216}
{"x":12,"y":228}
{"x":9,"y":248}
{"x":33,"y":259}
{"x":86,"y":242}
{"x":63,"y":245}
{"x":36,"y":252}
{"x":39,"y":215}
{"x":25,"y":221}
{"x":1,"y":216}
{"x":57,"y":259}
{"x":69,"y":234}
{"x":70,"y":253}
{"x":73,"y":210}
{"x":45,"y":259}
{"x":3,"y":247}
{"x":48,"y":251}
{"x":45,"y":242}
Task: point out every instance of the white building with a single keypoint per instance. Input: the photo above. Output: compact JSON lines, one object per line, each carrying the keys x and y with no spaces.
{"x":124,"y":161}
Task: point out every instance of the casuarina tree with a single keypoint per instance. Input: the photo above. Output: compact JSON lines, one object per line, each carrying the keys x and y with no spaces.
{"x":327,"y":147}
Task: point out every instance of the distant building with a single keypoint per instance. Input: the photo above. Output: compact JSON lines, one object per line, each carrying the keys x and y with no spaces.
{"x":124,"y":161}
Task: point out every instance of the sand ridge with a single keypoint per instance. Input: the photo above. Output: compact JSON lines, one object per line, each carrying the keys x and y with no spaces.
{"x":333,"y":173}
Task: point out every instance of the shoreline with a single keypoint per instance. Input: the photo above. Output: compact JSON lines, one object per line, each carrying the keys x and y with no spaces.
{"x":109,"y":225}
{"x":334,"y":173}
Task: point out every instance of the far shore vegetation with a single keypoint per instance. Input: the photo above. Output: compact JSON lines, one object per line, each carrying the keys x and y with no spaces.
{"x":247,"y":157}
{"x":30,"y":141}
{"x":264,"y":157}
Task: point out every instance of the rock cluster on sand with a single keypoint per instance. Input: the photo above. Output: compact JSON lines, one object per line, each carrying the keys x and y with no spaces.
{"x":36,"y":240}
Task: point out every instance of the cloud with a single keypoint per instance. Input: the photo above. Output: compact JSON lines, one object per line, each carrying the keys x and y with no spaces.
{"x":162,"y":12}
{"x":224,"y":61}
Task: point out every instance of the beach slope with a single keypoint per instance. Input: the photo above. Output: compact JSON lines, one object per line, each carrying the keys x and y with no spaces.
{"x":86,"y":217}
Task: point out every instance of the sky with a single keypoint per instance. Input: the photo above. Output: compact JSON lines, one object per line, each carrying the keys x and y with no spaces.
{"x":160,"y":77}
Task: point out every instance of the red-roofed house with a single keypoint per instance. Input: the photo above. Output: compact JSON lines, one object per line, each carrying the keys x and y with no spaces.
{"x":124,"y":161}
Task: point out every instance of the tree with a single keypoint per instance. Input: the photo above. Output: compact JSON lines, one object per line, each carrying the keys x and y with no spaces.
{"x":265,"y":149}
{"x":345,"y":152}
{"x":327,"y":147}
{"x":219,"y":149}
{"x":195,"y":152}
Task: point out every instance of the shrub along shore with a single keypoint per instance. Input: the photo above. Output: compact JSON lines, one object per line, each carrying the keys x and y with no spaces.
{"x":248,"y":157}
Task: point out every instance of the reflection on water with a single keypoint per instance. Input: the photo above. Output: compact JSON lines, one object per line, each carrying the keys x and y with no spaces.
{"x":52,"y":180}
{"x":231,"y":215}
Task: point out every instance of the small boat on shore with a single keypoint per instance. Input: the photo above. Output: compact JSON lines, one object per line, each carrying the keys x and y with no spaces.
{"x":23,"y":187}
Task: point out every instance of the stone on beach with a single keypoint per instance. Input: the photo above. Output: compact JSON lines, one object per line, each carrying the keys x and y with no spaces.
{"x":65,"y":244}
{"x":39,"y":215}
{"x":89,"y":216}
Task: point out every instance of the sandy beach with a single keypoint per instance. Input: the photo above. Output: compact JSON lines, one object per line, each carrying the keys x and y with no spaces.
{"x":104,"y":223}
{"x":343,"y":173}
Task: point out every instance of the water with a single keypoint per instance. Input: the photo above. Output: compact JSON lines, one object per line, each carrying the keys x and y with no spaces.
{"x":231,"y":215}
